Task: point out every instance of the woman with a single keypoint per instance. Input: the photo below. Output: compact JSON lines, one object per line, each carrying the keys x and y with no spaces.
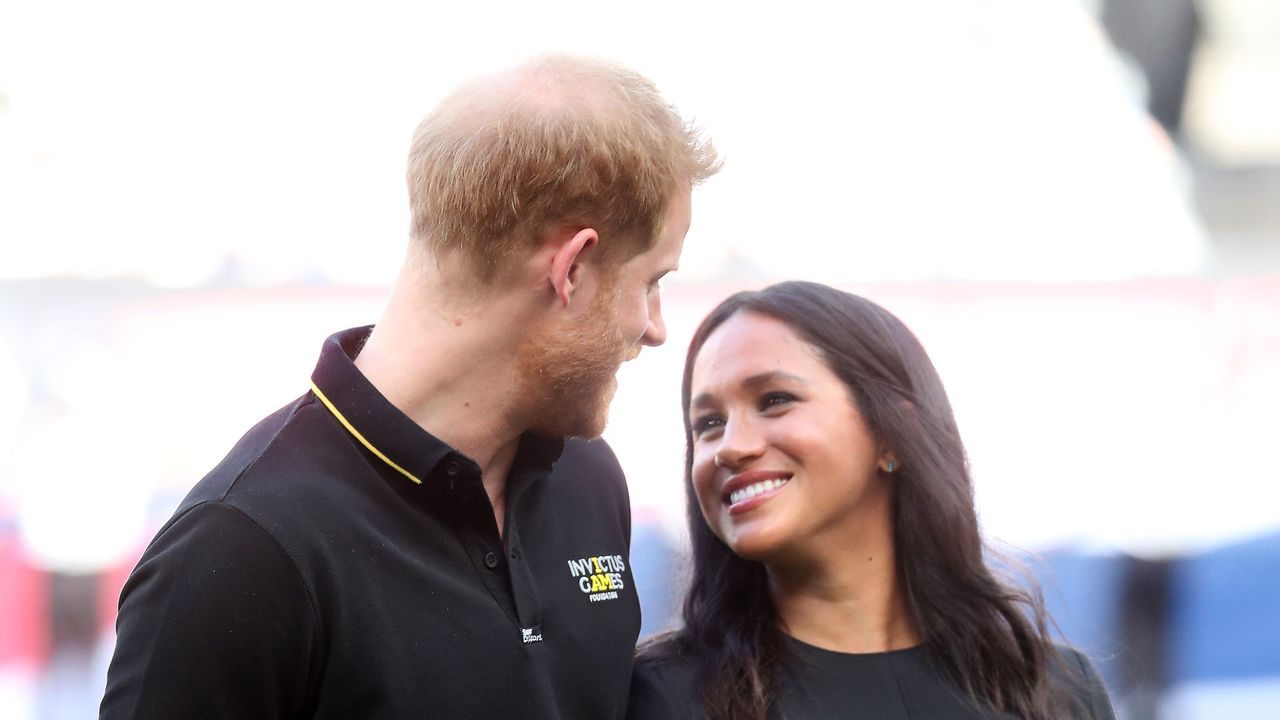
{"x":838,"y":569}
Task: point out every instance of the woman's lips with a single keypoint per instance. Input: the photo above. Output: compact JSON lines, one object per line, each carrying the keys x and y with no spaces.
{"x":747,"y":490}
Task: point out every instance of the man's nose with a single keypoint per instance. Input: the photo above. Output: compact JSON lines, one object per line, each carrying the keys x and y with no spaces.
{"x":655,"y":332}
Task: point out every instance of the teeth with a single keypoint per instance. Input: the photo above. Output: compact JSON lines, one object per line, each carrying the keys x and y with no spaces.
{"x":754,"y":489}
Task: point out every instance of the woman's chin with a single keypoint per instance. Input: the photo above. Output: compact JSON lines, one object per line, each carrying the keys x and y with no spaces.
{"x":759,"y":546}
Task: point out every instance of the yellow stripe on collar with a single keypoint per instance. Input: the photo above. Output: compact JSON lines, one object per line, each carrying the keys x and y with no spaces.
{"x":356,"y":434}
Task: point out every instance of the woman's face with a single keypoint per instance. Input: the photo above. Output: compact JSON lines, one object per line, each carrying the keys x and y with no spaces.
{"x":784,"y":467}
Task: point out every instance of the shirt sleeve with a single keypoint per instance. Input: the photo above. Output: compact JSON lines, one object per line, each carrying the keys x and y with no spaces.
{"x":214,"y":622}
{"x":653,"y":697}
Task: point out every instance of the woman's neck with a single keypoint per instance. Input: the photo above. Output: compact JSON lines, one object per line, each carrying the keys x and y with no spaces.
{"x":853,"y":602}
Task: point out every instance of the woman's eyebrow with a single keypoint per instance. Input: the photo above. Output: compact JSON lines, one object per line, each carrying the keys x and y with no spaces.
{"x":765,"y":378}
{"x":750,"y":383}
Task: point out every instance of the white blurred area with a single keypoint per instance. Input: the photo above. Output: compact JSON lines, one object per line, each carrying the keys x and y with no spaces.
{"x":193,"y":196}
{"x":974,"y":140}
{"x":882,"y":145}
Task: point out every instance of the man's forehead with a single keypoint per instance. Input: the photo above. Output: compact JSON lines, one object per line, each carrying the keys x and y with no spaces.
{"x":676,"y":226}
{"x":664,"y":256}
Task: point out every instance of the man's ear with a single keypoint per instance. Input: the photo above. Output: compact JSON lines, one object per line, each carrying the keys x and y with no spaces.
{"x":566,"y":264}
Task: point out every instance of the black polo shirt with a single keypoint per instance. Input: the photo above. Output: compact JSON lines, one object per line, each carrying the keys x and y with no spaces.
{"x":342,"y":563}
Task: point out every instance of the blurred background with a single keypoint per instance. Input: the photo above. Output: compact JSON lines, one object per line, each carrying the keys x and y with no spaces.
{"x":1076,"y":206}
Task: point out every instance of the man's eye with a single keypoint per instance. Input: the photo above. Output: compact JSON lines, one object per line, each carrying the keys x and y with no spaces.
{"x":774,"y":399}
{"x":706,"y":423}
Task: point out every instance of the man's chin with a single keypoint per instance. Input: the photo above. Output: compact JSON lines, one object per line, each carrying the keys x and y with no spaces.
{"x":585,"y":428}
{"x":594,"y":422}
{"x":587,"y":422}
{"x":593,"y":432}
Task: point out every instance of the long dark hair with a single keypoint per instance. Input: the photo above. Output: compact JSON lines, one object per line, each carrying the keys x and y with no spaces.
{"x":987,"y":635}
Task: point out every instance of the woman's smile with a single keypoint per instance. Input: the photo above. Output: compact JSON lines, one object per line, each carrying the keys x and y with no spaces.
{"x":748,"y":490}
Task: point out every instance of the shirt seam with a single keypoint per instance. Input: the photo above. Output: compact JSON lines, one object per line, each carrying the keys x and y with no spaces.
{"x":300,"y":403}
{"x":225,"y":501}
{"x":306,"y":589}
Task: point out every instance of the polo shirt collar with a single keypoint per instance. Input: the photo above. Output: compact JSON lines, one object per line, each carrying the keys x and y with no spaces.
{"x":386,"y":431}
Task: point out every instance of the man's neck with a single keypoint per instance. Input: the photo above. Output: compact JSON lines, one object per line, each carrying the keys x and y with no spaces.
{"x":451,"y":369}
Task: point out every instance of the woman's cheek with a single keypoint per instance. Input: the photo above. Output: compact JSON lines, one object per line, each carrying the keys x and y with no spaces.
{"x":703,"y":478}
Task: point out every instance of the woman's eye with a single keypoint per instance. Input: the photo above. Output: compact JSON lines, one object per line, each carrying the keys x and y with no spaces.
{"x":706,"y":423}
{"x":774,"y":399}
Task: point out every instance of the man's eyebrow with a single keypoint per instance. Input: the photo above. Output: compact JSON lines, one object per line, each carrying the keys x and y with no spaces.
{"x":750,"y":383}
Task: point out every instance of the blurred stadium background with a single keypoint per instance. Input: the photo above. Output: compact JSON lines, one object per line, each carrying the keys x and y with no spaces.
{"x":1076,"y":205}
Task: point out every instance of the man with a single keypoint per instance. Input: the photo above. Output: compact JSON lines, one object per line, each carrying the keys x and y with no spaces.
{"x":415,"y":537}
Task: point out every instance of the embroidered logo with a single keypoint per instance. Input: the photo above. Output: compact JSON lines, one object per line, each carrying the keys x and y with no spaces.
{"x":531,"y":635}
{"x":599,"y":577}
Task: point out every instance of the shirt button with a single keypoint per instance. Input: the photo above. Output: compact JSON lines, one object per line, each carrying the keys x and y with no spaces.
{"x":452,"y":468}
{"x":490,"y":560}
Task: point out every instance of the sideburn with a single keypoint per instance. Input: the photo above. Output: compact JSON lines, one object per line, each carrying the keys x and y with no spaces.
{"x":567,"y":375}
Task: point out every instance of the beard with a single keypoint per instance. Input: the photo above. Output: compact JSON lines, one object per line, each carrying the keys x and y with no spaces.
{"x":567,"y":377}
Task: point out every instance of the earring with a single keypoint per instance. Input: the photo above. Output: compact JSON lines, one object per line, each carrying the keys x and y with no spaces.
{"x":889,"y":466}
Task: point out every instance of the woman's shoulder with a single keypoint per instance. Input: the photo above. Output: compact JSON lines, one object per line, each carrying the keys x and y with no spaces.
{"x":1080,"y":681}
{"x":663,"y":684}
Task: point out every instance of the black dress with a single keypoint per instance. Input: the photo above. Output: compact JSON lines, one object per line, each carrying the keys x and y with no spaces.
{"x":819,"y":684}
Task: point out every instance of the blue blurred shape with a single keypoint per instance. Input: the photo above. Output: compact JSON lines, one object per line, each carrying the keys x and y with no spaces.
{"x":654,"y":566}
{"x":1081,"y":593}
{"x":1225,"y":620}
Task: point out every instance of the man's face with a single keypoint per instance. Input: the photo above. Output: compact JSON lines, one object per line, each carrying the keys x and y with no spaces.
{"x":637,"y":292}
{"x":570,"y":377}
